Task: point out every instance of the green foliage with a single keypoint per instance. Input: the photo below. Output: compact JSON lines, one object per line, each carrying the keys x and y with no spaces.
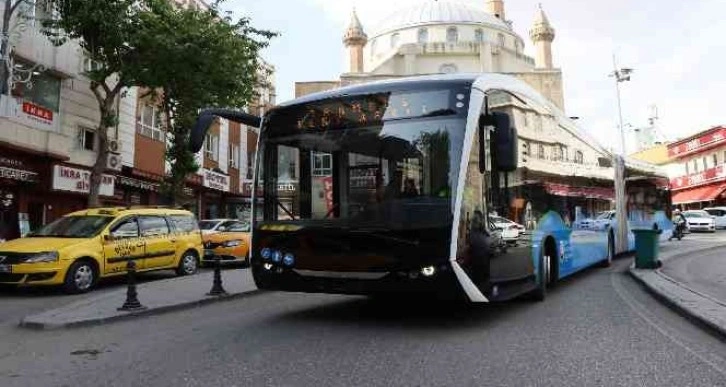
{"x":199,"y":59}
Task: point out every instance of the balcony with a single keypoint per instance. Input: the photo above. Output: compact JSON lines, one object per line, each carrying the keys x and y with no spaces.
{"x":34,"y":46}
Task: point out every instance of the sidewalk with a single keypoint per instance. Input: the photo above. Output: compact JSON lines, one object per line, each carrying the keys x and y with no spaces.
{"x":157,"y":297}
{"x":696,"y":296}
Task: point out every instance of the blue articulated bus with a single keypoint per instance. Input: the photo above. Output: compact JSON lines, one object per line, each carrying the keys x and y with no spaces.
{"x":396,"y":187}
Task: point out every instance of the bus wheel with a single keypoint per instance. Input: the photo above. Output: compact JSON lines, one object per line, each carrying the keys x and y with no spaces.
{"x":544,"y":275}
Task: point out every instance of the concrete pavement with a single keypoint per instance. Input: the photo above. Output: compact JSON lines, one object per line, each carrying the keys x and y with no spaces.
{"x":692,"y":279}
{"x":156,"y":297}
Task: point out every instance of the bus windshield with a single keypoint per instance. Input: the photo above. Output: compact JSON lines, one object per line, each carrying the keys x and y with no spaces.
{"x":366,"y":166}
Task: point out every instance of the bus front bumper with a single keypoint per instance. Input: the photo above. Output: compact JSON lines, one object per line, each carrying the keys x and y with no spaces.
{"x":439,"y":281}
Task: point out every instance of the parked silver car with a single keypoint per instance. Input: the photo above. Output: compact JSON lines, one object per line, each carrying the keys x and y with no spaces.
{"x":699,"y":220}
{"x":719,"y":214}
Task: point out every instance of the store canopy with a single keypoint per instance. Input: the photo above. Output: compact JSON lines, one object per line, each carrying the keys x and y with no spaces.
{"x":580,"y":192}
{"x":700,"y":194}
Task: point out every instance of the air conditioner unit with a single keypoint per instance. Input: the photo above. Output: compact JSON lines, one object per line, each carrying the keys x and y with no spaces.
{"x":114,"y":145}
{"x":113,"y":162}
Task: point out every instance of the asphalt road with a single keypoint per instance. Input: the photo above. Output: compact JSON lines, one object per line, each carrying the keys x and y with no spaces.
{"x":596,"y":329}
{"x":704,"y":272}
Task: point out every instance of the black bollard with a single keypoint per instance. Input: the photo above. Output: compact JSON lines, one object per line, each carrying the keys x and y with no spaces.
{"x":132,"y":302}
{"x":217,"y":289}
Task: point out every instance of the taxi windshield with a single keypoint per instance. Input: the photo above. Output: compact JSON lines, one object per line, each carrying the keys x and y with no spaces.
{"x":74,"y":227}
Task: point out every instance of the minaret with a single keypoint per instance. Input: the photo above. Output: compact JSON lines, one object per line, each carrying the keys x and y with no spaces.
{"x":355,"y":39}
{"x":496,"y":8}
{"x":542,"y":35}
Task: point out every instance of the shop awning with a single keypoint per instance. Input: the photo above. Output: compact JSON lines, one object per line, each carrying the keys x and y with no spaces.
{"x":700,"y":194}
{"x":580,"y":192}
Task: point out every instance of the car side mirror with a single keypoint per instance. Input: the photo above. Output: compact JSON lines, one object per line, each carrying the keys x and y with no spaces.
{"x":504,"y":142}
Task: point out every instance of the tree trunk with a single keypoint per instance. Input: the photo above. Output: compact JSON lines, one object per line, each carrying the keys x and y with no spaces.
{"x":99,"y":167}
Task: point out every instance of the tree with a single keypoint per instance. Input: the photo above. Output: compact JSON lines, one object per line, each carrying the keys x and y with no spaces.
{"x":198,"y":59}
{"x":108,"y":31}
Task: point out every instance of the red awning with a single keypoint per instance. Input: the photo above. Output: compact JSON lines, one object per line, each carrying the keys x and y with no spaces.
{"x":580,"y":192}
{"x":700,"y":194}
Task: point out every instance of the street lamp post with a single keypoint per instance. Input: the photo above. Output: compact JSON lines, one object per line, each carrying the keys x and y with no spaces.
{"x":621,"y":216}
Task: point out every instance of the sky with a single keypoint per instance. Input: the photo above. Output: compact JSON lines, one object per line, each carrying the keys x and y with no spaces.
{"x":677,"y":49}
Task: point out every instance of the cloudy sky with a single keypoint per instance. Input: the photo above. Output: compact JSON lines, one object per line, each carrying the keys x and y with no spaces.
{"x":677,"y":49}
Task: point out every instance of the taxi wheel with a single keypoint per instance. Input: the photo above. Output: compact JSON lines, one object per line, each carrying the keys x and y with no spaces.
{"x":188,"y":264}
{"x":80,"y":278}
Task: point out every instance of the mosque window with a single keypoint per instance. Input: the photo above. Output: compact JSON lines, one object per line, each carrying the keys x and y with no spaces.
{"x":478,"y":35}
{"x":517,"y":46}
{"x":394,"y":39}
{"x":423,"y":35}
{"x":448,"y":68}
{"x":452,"y":35}
{"x":501,"y":40}
{"x":579,"y":157}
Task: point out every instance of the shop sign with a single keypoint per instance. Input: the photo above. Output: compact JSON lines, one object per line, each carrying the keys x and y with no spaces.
{"x":29,"y":113}
{"x":706,"y":176}
{"x":79,"y":180}
{"x":13,"y":169}
{"x":698,"y":143}
{"x":215,"y":180}
{"x":37,"y":112}
{"x":135,"y":183}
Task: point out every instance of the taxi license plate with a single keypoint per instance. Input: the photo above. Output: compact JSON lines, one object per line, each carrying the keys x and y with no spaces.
{"x":6,"y":268}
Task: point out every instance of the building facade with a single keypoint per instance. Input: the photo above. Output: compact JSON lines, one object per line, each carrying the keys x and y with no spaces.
{"x":701,"y":177}
{"x":48,"y":139}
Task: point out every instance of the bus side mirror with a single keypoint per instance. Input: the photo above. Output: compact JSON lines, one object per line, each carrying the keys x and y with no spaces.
{"x":505,"y":141}
{"x":205,"y":119}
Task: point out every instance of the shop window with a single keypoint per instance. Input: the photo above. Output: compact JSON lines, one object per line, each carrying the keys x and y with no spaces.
{"x":211,"y":147}
{"x":452,"y":35}
{"x":87,"y":139}
{"x":150,"y":124}
{"x":234,"y":156}
{"x":423,"y":35}
{"x":44,"y":90}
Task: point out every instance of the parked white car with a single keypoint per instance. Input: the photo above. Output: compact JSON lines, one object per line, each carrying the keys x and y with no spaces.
{"x":210,"y":226}
{"x":603,"y":220}
{"x":719,"y":214}
{"x":699,"y":220}
{"x":510,"y":230}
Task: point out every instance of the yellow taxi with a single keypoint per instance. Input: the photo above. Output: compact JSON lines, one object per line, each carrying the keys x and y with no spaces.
{"x":78,"y":249}
{"x":226,"y":239}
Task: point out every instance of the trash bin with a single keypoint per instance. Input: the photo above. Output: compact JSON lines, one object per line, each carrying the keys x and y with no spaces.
{"x":646,"y":248}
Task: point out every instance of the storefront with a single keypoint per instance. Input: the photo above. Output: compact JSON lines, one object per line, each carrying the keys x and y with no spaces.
{"x":71,"y":185}
{"x":700,"y":190}
{"x":20,"y":179}
{"x":216,"y":187}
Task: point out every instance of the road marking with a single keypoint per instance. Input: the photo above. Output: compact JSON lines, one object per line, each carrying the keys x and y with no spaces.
{"x":639,"y":309}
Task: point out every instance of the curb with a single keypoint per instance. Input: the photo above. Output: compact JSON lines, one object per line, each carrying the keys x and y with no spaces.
{"x":34,"y":325}
{"x":694,"y":314}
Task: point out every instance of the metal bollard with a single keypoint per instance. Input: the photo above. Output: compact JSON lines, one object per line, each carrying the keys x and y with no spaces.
{"x":217,"y":289}
{"x":132,"y":302}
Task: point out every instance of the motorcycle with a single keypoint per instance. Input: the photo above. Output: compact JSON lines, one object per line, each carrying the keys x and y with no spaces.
{"x":678,"y":229}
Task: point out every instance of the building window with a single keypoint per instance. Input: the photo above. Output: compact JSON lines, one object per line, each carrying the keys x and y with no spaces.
{"x":478,"y":35}
{"x":715,"y":159}
{"x":705,"y":163}
{"x":501,"y":39}
{"x":687,"y":171}
{"x":579,"y":158}
{"x":517,"y":46}
{"x":452,"y":35}
{"x":695,"y":166}
{"x":322,"y":164}
{"x":557,"y":153}
{"x":724,"y":157}
{"x":44,"y":92}
{"x":234,"y":156}
{"x":250,"y":164}
{"x":211,"y":147}
{"x":151,"y":123}
{"x":423,"y":35}
{"x":87,"y":139}
{"x":394,"y":39}
{"x":448,"y":68}
{"x":90,"y":65}
{"x":541,"y":151}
